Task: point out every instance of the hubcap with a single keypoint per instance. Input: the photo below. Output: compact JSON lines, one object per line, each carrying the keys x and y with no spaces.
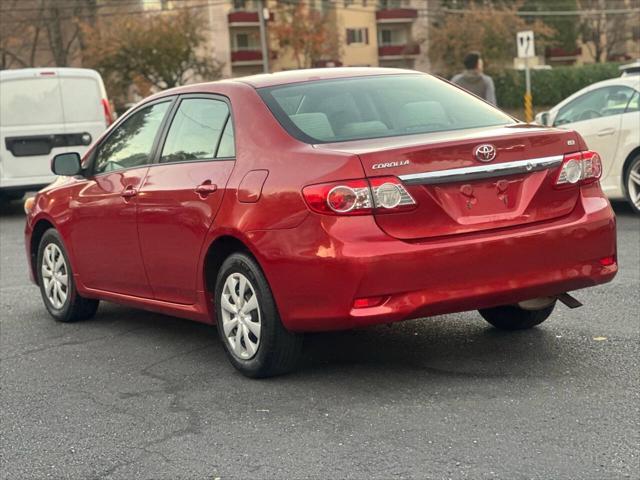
{"x":633,"y":184}
{"x":55,"y":276}
{"x":240,"y":316}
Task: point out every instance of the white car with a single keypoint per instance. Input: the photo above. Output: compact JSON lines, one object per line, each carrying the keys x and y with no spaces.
{"x":607,"y":115}
{"x":43,"y":112}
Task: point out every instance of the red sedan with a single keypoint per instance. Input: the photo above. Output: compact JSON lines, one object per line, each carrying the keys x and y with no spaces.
{"x":321,"y":200}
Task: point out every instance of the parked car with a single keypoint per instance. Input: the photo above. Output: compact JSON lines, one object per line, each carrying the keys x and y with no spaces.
{"x":45,"y":111}
{"x":321,"y":200}
{"x":607,"y":115}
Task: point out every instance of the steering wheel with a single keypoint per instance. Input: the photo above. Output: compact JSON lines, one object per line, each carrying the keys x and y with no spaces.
{"x":589,"y":114}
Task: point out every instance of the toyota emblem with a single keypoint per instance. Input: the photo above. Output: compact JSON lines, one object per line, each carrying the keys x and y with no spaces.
{"x":485,"y":152}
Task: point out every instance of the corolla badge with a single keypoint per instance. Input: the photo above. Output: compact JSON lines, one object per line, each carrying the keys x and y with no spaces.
{"x":485,"y":152}
{"x":401,"y":163}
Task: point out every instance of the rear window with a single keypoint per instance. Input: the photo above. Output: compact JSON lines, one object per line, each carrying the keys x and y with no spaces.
{"x":81,"y":100}
{"x":327,"y":111}
{"x":30,"y":101}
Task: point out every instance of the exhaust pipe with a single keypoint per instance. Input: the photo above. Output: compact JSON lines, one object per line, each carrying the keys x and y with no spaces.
{"x":544,"y":302}
{"x":569,"y":301}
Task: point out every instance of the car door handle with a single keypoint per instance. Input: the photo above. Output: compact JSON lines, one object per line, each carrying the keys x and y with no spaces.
{"x":606,"y":131}
{"x":206,"y":188}
{"x":129,"y":192}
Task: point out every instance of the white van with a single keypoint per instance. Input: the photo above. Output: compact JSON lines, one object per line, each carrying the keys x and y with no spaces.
{"x":43,"y":112}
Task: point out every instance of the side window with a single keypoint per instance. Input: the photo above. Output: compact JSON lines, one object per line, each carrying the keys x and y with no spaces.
{"x":227,"y":147}
{"x":195,"y":130}
{"x":130,"y":144}
{"x":634,"y":103}
{"x":602,"y":102}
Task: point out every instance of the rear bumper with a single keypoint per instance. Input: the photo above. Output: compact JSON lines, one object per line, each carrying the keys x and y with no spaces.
{"x":318,"y":269}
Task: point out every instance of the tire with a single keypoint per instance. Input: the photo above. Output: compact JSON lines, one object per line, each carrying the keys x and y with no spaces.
{"x":64,"y":303}
{"x":632,"y":183}
{"x":513,"y":317}
{"x":254,"y":339}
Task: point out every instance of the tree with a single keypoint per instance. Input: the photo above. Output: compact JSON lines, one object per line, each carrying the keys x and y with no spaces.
{"x":566,"y":28}
{"x":156,"y":50}
{"x":488,"y":29}
{"x":43,"y":32}
{"x":308,"y":33}
{"x":602,"y":31}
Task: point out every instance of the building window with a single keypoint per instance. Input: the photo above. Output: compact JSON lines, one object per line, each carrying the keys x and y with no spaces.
{"x":357,"y":35}
{"x":239,"y":4}
{"x":348,"y":3}
{"x":392,"y":36}
{"x":385,"y":37}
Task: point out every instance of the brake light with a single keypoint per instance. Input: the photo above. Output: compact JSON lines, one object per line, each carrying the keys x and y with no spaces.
{"x":106,"y":108}
{"x":579,"y":168}
{"x":359,"y":197}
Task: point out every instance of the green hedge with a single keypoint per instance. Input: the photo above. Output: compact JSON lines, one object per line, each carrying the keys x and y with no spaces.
{"x":549,"y":86}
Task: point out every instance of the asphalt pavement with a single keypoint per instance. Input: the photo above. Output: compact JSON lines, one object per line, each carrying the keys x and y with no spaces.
{"x":131,"y":394}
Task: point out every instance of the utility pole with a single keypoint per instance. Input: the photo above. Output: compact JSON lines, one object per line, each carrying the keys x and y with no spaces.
{"x":263,"y":14}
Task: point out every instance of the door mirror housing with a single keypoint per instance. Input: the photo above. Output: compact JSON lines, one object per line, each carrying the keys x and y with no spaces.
{"x":543,"y":118}
{"x":67,"y":164}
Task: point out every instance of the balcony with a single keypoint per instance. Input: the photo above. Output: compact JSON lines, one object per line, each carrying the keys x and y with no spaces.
{"x":246,"y":57}
{"x":243,"y":18}
{"x":387,"y":51}
{"x":396,"y":15}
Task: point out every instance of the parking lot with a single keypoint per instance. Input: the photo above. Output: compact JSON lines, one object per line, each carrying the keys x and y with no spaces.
{"x":132,"y":393}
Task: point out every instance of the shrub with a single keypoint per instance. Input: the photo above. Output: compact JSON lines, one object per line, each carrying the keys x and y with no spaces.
{"x":549,"y":87}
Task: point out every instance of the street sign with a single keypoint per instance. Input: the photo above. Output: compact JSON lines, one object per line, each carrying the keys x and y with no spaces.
{"x":526,"y":48}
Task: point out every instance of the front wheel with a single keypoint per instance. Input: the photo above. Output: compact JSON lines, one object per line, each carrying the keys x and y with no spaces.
{"x":632,"y":183}
{"x":513,"y":317}
{"x":57,"y":286}
{"x":255,"y":341}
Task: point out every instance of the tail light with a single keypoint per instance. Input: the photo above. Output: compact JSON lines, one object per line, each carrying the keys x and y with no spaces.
{"x":579,"y":168}
{"x":106,"y":108}
{"x":359,"y":197}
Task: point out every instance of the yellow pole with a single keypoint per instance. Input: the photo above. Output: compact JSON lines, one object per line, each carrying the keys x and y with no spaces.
{"x":528,"y":107}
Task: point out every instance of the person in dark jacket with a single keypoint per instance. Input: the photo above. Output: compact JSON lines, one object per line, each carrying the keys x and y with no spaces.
{"x":473,"y":80}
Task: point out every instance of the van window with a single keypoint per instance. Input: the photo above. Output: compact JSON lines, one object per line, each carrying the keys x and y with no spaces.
{"x":81,"y":100}
{"x":376,"y":106}
{"x":30,"y":101}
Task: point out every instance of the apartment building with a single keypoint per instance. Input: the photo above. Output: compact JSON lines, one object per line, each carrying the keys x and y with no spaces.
{"x":371,"y":33}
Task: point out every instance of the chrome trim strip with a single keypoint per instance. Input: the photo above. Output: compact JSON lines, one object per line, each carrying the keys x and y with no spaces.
{"x":465,"y":174}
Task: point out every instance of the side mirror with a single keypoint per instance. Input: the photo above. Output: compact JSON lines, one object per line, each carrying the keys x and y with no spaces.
{"x":542,"y":118}
{"x":67,"y":164}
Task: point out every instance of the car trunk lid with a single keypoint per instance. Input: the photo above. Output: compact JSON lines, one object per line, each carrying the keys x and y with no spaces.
{"x":456,"y":193}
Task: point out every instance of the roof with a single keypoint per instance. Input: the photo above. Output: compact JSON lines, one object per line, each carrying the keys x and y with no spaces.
{"x":295,"y":76}
{"x":626,"y":80}
{"x":45,"y":72}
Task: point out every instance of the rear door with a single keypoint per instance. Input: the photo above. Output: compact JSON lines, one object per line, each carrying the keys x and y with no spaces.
{"x":46,"y":112}
{"x":182,"y":193}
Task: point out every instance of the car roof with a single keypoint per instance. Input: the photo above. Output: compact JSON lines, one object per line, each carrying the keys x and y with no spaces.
{"x":46,"y":72}
{"x":310,"y":74}
{"x":628,"y":81}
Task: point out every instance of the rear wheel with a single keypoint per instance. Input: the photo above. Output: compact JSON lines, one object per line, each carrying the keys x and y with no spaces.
{"x":632,"y":183}
{"x":513,"y":317}
{"x":249,"y":325}
{"x":57,"y":287}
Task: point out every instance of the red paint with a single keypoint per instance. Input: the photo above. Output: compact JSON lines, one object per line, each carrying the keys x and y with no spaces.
{"x":330,"y":271}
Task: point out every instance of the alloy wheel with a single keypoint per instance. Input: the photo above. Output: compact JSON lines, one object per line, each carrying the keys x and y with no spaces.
{"x":55,"y":276}
{"x":241,"y":320}
{"x":633,"y":183}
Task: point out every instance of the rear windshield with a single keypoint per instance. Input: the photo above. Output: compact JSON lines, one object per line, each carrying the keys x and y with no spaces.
{"x":327,"y":111}
{"x":30,"y":101}
{"x":50,"y":100}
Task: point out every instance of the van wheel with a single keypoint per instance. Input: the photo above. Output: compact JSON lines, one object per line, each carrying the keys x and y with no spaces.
{"x":513,"y":317}
{"x":632,"y":183}
{"x":254,"y":339}
{"x":57,"y":287}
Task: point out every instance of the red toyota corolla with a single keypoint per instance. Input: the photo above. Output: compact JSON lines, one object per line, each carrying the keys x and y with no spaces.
{"x":321,"y":200}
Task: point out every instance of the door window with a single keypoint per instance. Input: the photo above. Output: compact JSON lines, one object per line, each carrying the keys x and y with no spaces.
{"x":602,"y":102}
{"x":634,"y":103}
{"x":131,"y":143}
{"x":196,"y":131}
